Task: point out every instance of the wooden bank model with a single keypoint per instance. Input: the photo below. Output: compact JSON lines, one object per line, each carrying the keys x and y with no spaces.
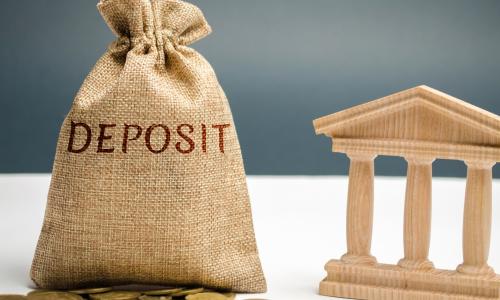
{"x":420,"y":124}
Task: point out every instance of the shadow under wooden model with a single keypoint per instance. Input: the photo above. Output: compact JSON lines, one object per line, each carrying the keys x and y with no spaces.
{"x":420,"y":124}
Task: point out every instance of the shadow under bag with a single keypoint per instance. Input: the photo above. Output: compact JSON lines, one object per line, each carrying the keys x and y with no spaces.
{"x":148,"y":184}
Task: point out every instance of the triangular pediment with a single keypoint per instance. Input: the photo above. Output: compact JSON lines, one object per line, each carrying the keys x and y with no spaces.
{"x":418,"y":114}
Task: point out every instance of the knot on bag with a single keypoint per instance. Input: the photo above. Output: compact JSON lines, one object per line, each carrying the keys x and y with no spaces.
{"x":124,"y":44}
{"x":169,"y":37}
{"x":143,"y":24}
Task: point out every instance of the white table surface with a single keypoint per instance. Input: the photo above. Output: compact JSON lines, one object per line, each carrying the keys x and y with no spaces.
{"x":299,"y":222}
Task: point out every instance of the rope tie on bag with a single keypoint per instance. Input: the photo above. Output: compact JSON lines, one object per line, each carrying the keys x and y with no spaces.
{"x":140,"y":44}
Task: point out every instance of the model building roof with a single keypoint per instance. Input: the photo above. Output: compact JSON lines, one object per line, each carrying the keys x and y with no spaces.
{"x":420,"y":95}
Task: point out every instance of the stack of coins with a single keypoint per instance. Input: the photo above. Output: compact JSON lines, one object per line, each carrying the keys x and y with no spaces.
{"x":108,"y":293}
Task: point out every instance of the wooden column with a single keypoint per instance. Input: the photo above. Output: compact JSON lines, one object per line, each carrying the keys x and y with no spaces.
{"x":360,"y":209}
{"x":418,"y":210}
{"x":477,"y":219}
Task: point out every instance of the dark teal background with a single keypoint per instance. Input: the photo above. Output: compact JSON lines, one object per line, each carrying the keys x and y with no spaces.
{"x":282,"y":63}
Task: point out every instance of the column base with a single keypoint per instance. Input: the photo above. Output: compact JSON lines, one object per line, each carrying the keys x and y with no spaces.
{"x":358,"y":259}
{"x":382,"y":282}
{"x":414,"y":264}
{"x":483,"y":270}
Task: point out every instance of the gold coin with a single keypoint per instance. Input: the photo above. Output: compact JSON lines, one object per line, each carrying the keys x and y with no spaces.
{"x":91,"y":291}
{"x":230,"y":296}
{"x":206,"y":296}
{"x":53,"y":296}
{"x":163,"y":292}
{"x":36,"y":292}
{"x":116,"y":295}
{"x":188,"y":292}
{"x":12,"y":297}
{"x":146,"y":297}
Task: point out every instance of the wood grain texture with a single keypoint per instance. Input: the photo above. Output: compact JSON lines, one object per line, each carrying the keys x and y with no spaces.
{"x":360,"y":209}
{"x":420,"y":124}
{"x":405,"y":115}
{"x":383,"y":281}
{"x":417,"y":216}
{"x":477,"y":219}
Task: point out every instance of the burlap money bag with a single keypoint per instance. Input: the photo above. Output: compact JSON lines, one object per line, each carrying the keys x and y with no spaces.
{"x":148,"y":184}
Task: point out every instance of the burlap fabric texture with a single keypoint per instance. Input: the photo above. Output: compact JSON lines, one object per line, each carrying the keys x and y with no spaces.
{"x":148,"y":184}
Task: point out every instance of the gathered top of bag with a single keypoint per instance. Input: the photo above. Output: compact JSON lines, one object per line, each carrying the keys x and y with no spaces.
{"x":154,"y":22}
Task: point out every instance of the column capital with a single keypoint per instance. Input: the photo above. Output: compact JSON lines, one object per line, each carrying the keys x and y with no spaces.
{"x":361,"y":156}
{"x":417,"y":160}
{"x":480,"y":164}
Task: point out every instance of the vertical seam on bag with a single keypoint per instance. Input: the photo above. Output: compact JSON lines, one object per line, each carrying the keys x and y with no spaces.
{"x":157,"y":32}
